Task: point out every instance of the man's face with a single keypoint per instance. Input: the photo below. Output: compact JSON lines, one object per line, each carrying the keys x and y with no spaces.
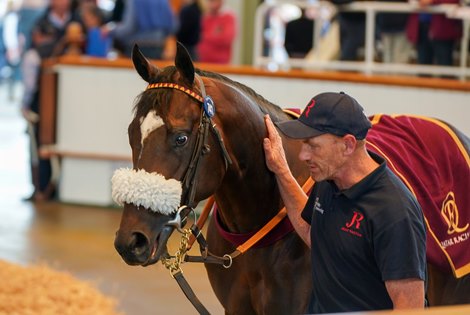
{"x":324,"y":156}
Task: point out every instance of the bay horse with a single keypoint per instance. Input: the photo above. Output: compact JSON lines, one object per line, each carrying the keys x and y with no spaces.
{"x":197,"y":134}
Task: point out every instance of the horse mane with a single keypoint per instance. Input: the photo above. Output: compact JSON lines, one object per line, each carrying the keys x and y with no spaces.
{"x":146,"y":101}
{"x":265,"y":106}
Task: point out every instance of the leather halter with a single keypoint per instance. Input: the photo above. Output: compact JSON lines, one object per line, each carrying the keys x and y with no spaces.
{"x":190,"y":177}
{"x":201,"y":147}
{"x":190,"y":183}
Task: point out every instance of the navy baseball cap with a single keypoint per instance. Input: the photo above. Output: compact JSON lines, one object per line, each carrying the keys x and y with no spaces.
{"x":335,"y":113}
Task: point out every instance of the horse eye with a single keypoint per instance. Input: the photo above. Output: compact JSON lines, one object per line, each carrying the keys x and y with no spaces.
{"x":181,"y":140}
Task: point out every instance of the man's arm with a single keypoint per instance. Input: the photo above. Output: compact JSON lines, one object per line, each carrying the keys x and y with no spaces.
{"x":406,"y":293}
{"x":292,"y":194}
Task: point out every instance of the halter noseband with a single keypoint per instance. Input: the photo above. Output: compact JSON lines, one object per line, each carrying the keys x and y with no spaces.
{"x":201,"y":147}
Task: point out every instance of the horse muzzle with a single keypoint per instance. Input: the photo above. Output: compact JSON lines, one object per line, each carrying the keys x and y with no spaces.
{"x":136,"y":248}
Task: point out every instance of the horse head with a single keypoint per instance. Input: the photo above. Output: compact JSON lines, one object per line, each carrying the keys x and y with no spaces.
{"x":175,"y":142}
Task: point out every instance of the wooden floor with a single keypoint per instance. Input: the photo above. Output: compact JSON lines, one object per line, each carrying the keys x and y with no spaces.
{"x":80,"y":239}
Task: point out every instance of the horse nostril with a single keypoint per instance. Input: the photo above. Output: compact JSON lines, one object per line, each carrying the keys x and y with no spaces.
{"x":139,"y":243}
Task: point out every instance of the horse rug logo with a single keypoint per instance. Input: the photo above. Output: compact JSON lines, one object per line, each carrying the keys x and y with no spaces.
{"x":450,"y":214}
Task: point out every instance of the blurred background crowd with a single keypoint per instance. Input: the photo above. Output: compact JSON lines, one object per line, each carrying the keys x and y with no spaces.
{"x":415,"y":34}
{"x":34,"y":30}
{"x":209,"y":28}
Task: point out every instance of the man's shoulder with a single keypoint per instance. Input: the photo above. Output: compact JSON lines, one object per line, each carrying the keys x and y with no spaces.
{"x":392,"y":198}
{"x":394,"y":184}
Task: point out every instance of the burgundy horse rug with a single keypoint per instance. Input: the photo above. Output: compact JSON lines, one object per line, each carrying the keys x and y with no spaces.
{"x":431,"y":160}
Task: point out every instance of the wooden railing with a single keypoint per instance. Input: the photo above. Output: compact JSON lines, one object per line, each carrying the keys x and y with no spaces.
{"x":49,"y":82}
{"x":368,"y":65}
{"x":86,"y":107}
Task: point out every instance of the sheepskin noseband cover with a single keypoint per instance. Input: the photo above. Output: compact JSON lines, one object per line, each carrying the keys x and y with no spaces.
{"x":149,"y":190}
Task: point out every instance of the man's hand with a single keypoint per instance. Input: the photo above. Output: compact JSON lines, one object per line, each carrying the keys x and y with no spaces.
{"x":273,"y":149}
{"x":106,"y":29}
{"x":292,"y":194}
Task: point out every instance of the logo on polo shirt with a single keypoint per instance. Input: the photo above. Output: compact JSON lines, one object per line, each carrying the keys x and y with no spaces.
{"x":354,"y":224}
{"x":317,"y":206}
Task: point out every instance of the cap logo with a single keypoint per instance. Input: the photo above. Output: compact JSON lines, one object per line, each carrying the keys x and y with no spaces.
{"x":309,"y":107}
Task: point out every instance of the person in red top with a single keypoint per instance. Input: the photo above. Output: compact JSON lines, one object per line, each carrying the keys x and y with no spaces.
{"x":218,"y":30}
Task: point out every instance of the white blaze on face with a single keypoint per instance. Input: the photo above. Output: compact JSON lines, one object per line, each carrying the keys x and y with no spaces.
{"x":148,"y":124}
{"x":141,"y":188}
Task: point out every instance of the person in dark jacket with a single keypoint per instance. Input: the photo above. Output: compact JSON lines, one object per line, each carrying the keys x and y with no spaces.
{"x":48,"y":40}
{"x":189,"y":31}
{"x":434,"y":35}
{"x":299,"y":36}
{"x":391,"y":30}
{"x":352,"y":28}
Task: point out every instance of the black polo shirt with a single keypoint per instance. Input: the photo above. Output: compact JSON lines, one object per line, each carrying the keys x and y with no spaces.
{"x":361,"y":237}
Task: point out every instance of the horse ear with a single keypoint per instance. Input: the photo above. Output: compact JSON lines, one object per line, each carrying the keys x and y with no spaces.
{"x":144,"y":68}
{"x":184,"y":64}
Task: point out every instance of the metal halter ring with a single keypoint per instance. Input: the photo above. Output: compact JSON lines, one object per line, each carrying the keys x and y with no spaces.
{"x":230,"y":261}
{"x":178,"y":222}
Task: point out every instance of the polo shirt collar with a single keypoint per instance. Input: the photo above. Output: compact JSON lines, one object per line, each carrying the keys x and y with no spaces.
{"x":358,"y":189}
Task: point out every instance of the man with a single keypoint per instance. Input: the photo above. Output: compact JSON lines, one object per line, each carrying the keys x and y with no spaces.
{"x":364,"y":227}
{"x":434,"y":35}
{"x":298,"y":39}
{"x":47,"y":41}
{"x":352,"y":29}
{"x":189,"y":31}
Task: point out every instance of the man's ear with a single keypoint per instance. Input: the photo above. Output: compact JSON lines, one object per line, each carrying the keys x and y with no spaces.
{"x":350,"y":144}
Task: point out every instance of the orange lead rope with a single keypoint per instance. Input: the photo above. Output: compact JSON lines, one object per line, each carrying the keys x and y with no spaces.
{"x":202,"y":219}
{"x":227,"y":259}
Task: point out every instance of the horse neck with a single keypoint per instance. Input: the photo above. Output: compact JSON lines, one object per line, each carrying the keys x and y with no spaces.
{"x":249,"y":195}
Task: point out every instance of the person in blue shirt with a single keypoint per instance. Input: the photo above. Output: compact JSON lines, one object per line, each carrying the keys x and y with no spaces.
{"x":147,"y":23}
{"x":97,"y":44}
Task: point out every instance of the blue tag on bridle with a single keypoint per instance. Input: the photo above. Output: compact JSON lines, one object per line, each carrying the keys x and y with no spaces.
{"x":209,"y":106}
